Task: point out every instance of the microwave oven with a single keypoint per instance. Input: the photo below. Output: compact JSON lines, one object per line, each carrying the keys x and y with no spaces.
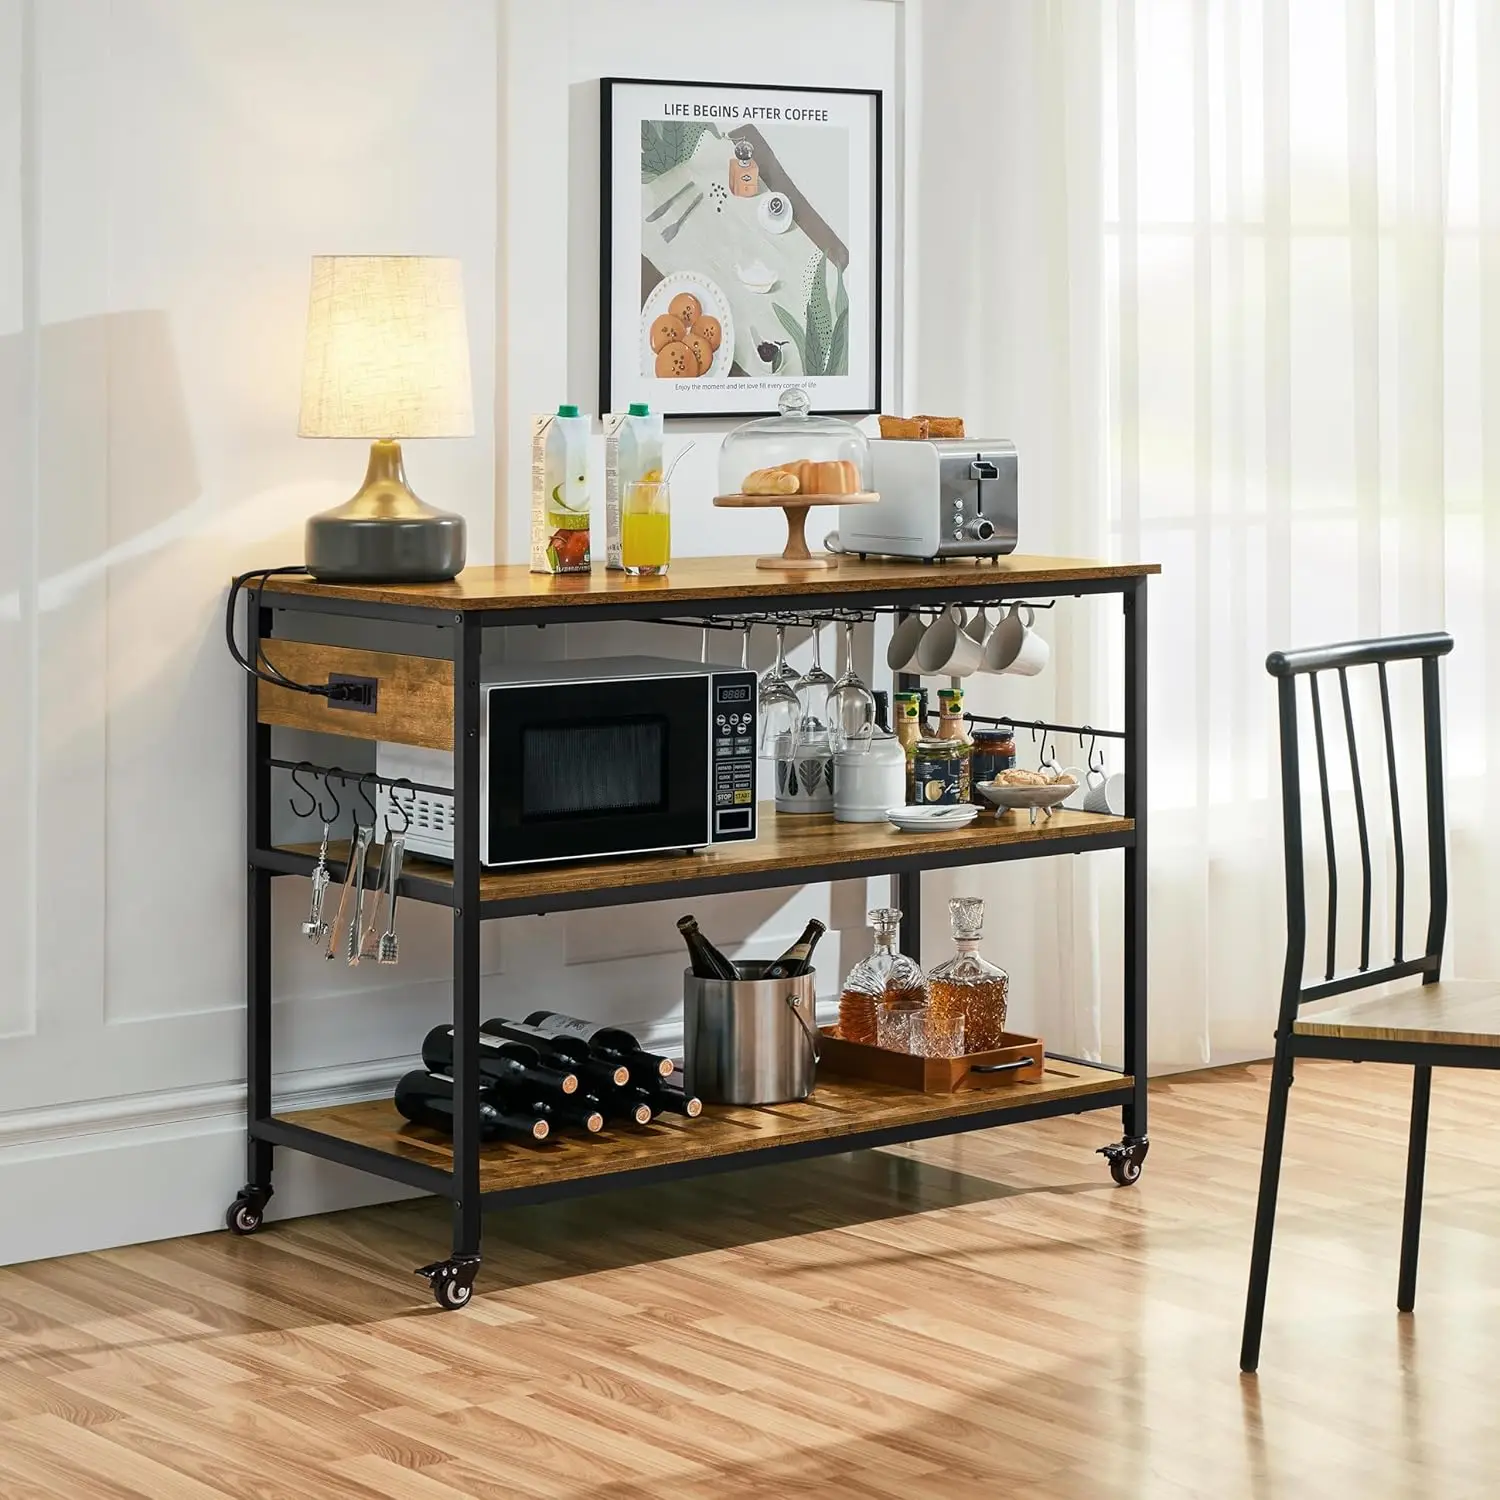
{"x":588,"y":759}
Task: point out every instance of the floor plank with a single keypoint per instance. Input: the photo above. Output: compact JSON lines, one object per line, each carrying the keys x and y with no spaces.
{"x":977,"y":1316}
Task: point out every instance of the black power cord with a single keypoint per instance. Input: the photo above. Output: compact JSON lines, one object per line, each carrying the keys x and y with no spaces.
{"x":335,"y":692}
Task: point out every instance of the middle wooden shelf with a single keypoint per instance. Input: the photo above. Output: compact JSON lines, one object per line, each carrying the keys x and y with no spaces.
{"x":792,"y":850}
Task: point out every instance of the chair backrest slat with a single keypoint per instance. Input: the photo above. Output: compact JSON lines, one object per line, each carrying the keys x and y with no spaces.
{"x":1328,"y":844}
{"x":1359,"y":817}
{"x":1287,"y":666}
{"x":1437,"y":847}
{"x":1398,"y":839}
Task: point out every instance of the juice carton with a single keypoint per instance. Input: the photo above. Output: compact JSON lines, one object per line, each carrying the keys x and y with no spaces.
{"x":560,"y":492}
{"x":632,"y":455}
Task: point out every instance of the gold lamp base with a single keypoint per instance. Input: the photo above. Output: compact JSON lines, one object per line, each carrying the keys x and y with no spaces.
{"x":385,"y":534}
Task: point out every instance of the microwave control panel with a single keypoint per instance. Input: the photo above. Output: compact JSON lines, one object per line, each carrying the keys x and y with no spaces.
{"x":734,"y":755}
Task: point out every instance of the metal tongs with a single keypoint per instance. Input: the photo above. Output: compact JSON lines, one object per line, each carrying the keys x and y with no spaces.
{"x":381,"y":945}
{"x":343,"y":935}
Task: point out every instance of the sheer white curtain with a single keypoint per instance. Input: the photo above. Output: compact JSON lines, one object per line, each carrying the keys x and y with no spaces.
{"x":1229,"y":273}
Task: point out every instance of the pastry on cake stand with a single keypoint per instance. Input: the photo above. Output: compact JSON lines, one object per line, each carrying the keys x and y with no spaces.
{"x":794,"y":461}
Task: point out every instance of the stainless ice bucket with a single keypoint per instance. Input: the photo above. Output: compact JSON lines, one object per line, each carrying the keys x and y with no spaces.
{"x":751,"y":1040}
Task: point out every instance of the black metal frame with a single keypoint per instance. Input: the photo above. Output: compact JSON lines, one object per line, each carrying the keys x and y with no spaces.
{"x":1422,"y":1056}
{"x":452,"y":1278}
{"x":607,"y":400}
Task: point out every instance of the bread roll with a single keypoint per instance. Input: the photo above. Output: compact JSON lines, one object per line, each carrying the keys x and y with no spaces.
{"x":1019,"y":776}
{"x":834,"y":477}
{"x":770,"y":482}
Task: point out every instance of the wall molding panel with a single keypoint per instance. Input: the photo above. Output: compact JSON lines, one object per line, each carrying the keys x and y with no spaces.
{"x":163,"y":187}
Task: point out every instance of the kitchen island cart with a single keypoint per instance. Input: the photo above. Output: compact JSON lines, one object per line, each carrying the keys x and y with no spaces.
{"x":428,"y":694}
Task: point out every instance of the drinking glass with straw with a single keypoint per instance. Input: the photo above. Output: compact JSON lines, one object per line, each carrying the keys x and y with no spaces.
{"x":646,"y":524}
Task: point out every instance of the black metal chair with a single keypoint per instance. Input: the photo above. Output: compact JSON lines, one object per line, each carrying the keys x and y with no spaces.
{"x":1424,"y":1023}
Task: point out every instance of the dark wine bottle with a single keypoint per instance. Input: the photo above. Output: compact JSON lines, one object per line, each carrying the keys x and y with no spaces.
{"x":612,"y":1043}
{"x":557,"y":1109}
{"x":630,"y":1102}
{"x":500,"y":1062}
{"x":669,"y":1094}
{"x":427,"y":1099}
{"x":882,"y":710}
{"x":707,"y":961}
{"x":797,"y":959}
{"x":570,"y":1052}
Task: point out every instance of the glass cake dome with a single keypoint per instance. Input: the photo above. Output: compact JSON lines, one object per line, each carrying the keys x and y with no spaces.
{"x":793,"y":454}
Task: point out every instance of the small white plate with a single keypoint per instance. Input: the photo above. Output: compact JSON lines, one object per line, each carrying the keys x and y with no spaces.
{"x":930,"y":819}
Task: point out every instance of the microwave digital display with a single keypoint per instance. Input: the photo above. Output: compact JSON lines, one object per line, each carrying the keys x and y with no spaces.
{"x":583,"y":769}
{"x":734,"y":695}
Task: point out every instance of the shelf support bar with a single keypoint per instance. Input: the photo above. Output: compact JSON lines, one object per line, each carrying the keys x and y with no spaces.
{"x":1134,"y":1113}
{"x":466,"y":1195}
{"x":259,"y":1153}
{"x":908,"y":884}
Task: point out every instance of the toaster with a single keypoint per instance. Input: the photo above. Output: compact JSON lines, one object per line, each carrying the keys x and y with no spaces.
{"x":939,"y":497}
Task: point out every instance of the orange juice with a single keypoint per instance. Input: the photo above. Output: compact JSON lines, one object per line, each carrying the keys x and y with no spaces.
{"x":645,"y":540}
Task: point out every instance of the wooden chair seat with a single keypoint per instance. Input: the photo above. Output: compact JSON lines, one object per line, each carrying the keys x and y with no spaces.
{"x":1455,"y":1012}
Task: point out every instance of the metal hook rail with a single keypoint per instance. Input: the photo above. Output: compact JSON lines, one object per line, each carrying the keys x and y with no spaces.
{"x":338,"y":773}
{"x":1043,"y":725}
{"x":742,"y":622}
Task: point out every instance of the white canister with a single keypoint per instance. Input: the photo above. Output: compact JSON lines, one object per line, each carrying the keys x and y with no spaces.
{"x":867,"y":782}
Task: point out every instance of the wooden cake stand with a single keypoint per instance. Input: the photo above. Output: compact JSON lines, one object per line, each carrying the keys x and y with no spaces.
{"x":795,"y":557}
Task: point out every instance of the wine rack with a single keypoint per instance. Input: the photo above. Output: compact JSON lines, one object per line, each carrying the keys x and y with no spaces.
{"x":428,"y":691}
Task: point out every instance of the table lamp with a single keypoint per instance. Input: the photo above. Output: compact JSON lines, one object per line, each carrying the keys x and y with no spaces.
{"x":387,"y":358}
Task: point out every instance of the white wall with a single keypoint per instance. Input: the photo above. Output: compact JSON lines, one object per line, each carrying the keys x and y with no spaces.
{"x":167,"y":168}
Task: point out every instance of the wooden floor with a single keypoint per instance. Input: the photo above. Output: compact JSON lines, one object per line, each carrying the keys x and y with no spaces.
{"x":977,"y":1317}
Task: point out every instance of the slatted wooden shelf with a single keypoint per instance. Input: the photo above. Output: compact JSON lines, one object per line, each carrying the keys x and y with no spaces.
{"x":788,"y":848}
{"x":839,"y":1107}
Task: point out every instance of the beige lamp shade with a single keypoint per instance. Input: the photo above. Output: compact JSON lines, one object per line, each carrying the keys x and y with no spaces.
{"x":387,"y":349}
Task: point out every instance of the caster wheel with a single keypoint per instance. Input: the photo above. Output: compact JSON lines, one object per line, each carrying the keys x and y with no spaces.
{"x":1125,"y":1159}
{"x":244,"y":1217}
{"x":452,"y":1281}
{"x":450,"y":1293}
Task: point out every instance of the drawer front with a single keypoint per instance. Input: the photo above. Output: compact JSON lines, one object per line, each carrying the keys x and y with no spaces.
{"x":413,"y":694}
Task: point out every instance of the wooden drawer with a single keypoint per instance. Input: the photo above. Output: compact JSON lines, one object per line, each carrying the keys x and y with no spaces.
{"x":413,"y":694}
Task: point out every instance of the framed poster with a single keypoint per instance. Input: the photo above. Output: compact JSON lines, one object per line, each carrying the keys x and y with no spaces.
{"x":739,"y":250}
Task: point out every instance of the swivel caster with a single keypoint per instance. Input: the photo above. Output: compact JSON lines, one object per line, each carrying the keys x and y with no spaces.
{"x":248,"y":1212}
{"x":452,"y":1281}
{"x":1125,"y":1158}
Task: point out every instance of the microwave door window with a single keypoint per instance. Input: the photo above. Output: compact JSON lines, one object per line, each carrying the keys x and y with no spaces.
{"x":596,"y":768}
{"x":584,"y":770}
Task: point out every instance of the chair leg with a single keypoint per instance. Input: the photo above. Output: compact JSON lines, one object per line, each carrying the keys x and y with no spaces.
{"x":1265,"y":1210}
{"x":1416,"y":1163}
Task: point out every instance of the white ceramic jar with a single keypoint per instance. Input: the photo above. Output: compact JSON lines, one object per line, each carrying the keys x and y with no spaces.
{"x":867,"y":782}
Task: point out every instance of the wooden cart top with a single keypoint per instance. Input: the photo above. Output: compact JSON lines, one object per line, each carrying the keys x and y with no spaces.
{"x":514,"y":586}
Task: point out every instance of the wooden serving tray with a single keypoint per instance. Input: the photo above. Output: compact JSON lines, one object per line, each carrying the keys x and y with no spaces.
{"x":1018,"y":1061}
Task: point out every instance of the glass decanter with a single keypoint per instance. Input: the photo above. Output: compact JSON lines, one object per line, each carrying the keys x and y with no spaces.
{"x":968,"y":985}
{"x":886,"y":978}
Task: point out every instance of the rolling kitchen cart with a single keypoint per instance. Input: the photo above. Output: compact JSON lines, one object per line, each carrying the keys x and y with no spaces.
{"x":432,"y":700}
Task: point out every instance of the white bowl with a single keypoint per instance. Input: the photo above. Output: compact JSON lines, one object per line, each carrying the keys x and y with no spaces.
{"x":1000,"y":795}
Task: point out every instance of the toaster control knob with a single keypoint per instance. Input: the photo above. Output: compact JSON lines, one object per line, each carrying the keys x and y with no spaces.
{"x":981,"y":530}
